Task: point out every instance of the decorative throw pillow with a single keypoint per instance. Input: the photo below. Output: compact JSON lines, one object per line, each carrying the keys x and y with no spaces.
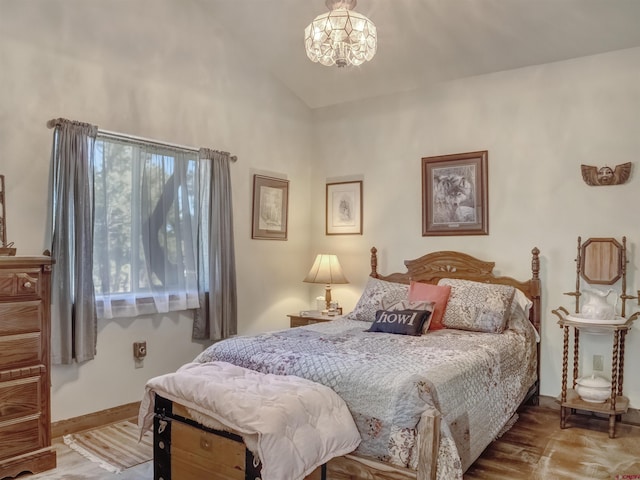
{"x":376,"y":292}
{"x":403,"y":322}
{"x":438,"y":294}
{"x":476,"y":306}
{"x":420,"y":305}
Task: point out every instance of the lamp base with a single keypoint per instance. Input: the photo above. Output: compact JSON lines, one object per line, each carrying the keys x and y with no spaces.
{"x":327,"y":296}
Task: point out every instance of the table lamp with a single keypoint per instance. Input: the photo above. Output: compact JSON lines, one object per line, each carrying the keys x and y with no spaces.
{"x":326,"y":269}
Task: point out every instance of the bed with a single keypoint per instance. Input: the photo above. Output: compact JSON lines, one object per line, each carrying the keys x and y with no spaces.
{"x":425,"y":405}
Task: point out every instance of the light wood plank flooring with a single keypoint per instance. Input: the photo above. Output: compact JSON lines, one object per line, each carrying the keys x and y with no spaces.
{"x":534,"y":449}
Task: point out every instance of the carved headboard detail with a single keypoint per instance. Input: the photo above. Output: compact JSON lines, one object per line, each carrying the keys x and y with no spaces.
{"x":430,"y":268}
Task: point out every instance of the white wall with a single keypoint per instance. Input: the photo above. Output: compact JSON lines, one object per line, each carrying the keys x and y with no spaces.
{"x":158,"y":69}
{"x":132,"y":67}
{"x":539,"y":124}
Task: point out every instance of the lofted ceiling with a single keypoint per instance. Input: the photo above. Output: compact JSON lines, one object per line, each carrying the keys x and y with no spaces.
{"x":422,"y":42}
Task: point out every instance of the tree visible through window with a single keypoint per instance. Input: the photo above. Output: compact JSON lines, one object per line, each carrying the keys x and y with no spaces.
{"x":145,"y":228}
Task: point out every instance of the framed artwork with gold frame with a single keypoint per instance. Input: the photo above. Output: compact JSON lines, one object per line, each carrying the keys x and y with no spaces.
{"x":270,"y":208}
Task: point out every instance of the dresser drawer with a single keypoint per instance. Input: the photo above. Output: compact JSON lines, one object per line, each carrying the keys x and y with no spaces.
{"x":20,"y":350}
{"x":20,"y":317}
{"x":19,"y":398}
{"x":20,"y":282}
{"x":20,"y":436}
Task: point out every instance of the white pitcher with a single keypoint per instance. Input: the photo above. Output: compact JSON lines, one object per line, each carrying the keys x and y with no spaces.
{"x":596,"y":305}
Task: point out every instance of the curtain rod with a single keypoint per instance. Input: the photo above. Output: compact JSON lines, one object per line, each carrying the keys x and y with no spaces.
{"x":122,"y":136}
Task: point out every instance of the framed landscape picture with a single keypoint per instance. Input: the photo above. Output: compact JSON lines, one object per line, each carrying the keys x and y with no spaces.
{"x":454,"y":194}
{"x":344,"y":208}
{"x":270,"y":208}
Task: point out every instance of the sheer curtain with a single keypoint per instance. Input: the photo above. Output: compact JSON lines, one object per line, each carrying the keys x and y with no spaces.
{"x":73,"y":316}
{"x":146,"y":226}
{"x":138,"y":228}
{"x":217,"y":316}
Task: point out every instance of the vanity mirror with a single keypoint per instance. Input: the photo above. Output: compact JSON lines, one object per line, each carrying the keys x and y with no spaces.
{"x":601,"y":261}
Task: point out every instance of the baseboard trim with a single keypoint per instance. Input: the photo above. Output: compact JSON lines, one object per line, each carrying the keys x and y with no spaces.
{"x":93,"y":420}
{"x":632,"y":417}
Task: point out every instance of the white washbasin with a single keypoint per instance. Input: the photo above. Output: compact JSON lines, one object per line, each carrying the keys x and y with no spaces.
{"x":581,"y":318}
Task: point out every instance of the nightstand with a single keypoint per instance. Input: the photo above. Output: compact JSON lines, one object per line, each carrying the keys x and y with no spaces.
{"x":298,"y":320}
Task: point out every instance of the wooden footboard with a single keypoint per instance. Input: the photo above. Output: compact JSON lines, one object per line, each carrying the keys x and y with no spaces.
{"x":184,"y":449}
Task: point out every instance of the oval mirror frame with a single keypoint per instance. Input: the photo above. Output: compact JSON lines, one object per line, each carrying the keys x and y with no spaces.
{"x":601,"y":261}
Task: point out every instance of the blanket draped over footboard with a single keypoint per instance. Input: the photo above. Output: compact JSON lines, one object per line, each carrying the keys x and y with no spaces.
{"x":475,"y":380}
{"x":292,"y":424}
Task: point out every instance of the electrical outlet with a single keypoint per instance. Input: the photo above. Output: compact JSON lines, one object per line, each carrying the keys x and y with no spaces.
{"x":598,"y":363}
{"x":139,"y":350}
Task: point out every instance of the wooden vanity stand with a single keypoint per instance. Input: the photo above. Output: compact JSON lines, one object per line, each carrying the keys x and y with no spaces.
{"x":570,"y":401}
{"x":600,"y":261}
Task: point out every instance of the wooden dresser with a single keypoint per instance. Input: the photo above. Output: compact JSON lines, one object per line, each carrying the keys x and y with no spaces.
{"x":25,"y":416}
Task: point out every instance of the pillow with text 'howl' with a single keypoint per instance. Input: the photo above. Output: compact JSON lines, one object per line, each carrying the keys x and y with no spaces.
{"x":420,"y":305}
{"x":403,"y":322}
{"x":437,"y":294}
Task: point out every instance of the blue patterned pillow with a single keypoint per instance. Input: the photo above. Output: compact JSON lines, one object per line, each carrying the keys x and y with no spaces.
{"x":476,"y":306}
{"x":403,"y":322}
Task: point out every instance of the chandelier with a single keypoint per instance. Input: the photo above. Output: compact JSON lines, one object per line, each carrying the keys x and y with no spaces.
{"x":341,"y":36}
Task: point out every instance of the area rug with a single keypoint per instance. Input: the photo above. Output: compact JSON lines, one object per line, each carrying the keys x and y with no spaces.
{"x":114,"y":447}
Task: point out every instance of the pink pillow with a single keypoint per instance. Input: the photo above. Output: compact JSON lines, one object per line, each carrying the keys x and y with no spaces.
{"x":438,"y":294}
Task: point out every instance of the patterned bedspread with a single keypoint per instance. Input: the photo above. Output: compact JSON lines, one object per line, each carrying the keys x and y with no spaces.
{"x":475,"y":380}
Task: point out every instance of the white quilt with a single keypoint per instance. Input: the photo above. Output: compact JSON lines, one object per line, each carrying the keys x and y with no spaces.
{"x":292,"y":424}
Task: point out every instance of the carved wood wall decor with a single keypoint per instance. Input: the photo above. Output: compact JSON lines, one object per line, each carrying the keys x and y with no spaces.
{"x":595,"y":176}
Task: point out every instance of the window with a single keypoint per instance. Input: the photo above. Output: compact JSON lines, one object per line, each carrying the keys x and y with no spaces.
{"x":146,"y":220}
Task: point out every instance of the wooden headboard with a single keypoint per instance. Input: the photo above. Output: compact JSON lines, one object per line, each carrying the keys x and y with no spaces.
{"x":447,"y":264}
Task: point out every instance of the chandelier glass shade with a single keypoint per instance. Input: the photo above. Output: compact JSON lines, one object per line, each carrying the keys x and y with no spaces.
{"x":341,"y":36}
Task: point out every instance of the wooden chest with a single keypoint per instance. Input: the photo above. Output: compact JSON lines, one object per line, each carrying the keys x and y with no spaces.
{"x":25,"y":418}
{"x":186,"y":450}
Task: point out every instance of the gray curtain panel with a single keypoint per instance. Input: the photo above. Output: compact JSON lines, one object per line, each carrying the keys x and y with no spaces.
{"x":217,"y":316}
{"x":73,"y":315}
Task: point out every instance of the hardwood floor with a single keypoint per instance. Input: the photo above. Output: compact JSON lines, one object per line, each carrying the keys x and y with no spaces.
{"x":534,"y":449}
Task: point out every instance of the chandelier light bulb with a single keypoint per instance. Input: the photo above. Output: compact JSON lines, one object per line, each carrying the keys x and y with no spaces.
{"x":341,"y":36}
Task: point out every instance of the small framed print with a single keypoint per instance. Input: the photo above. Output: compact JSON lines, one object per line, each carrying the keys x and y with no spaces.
{"x":270,"y":208}
{"x":344,"y":208}
{"x":454,"y":194}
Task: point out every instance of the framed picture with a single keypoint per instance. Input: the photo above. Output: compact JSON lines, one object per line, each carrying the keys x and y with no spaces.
{"x":270,"y":208}
{"x":344,"y":208}
{"x":454,"y":194}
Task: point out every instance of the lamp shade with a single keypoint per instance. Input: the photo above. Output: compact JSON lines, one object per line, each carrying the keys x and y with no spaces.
{"x":326,"y":269}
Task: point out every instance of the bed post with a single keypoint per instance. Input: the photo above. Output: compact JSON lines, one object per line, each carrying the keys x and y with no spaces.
{"x":429,"y":445}
{"x":537,"y":321}
{"x":374,"y":262}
